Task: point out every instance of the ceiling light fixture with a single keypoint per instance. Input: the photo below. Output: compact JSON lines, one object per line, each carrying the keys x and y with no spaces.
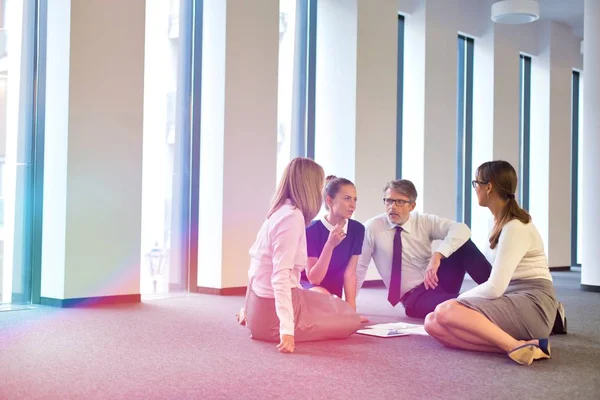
{"x":515,"y":11}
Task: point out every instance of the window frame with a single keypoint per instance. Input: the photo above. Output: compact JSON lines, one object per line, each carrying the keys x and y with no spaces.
{"x":464,"y":127}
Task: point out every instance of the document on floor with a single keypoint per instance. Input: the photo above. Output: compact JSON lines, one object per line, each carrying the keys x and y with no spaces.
{"x":403,"y":327}
{"x":383,"y":332}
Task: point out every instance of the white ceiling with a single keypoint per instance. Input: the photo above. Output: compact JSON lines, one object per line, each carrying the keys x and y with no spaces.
{"x":569,"y":12}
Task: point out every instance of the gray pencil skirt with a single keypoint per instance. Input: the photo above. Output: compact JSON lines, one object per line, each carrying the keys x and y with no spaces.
{"x":527,"y":309}
{"x":317,"y":316}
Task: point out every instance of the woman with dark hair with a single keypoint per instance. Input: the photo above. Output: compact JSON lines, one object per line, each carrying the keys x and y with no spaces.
{"x":334,"y":243}
{"x":514,"y":311}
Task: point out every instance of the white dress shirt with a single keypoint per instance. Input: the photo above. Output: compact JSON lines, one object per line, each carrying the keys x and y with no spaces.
{"x":519,"y":254}
{"x":277,"y":257}
{"x":418,"y":234}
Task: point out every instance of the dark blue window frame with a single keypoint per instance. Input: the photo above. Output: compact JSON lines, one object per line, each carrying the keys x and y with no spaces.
{"x":524,"y":129}
{"x":575,"y":165}
{"x":35,"y":185}
{"x":303,"y":102}
{"x":186,"y":179}
{"x":400,"y":96}
{"x":464,"y":128}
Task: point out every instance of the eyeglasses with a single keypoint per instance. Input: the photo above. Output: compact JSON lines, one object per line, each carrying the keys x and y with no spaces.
{"x":475,"y":183}
{"x":398,"y":202}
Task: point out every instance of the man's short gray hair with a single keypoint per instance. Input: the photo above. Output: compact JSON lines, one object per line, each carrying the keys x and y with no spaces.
{"x":402,"y":186}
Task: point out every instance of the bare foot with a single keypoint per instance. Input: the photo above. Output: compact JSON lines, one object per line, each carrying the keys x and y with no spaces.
{"x":241,"y":317}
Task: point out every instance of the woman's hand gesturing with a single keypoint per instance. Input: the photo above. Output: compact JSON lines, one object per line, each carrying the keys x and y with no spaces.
{"x":336,"y":235}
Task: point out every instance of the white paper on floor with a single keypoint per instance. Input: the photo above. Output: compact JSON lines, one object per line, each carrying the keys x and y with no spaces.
{"x":413,"y":329}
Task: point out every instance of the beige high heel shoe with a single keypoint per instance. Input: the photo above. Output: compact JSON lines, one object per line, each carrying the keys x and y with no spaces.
{"x":529,"y":352}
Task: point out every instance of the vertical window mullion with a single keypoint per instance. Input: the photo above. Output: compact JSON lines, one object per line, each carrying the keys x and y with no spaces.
{"x":39,"y":118}
{"x":525,"y":123}
{"x":464,"y":128}
{"x":460,"y":126}
{"x":311,"y":79}
{"x":196,"y":117}
{"x":521,"y":130}
{"x":575,"y":164}
{"x":468,"y":133}
{"x":299,"y":96}
{"x":180,"y":239}
{"x":400,"y":97}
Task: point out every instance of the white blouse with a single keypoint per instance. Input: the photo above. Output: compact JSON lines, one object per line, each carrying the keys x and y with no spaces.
{"x":518,"y":255}
{"x":277,"y":257}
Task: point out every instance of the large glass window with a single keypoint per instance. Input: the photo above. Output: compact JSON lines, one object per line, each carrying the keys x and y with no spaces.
{"x":400,"y":97}
{"x":296,"y":93}
{"x":170,"y":148}
{"x":524,"y":129}
{"x":464,"y":129}
{"x":18,"y":100}
{"x":575,"y":190}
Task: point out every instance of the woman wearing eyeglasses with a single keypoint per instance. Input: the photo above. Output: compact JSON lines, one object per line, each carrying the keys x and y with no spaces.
{"x":277,"y":309}
{"x":334,"y":243}
{"x":514,"y":311}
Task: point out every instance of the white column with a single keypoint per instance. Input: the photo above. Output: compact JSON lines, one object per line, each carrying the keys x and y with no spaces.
{"x":505,"y":95}
{"x":93,"y":155}
{"x":539,"y":159}
{"x":376,"y":91}
{"x":376,"y":105}
{"x":485,"y":74}
{"x":550,"y":161}
{"x":439,"y":174}
{"x":562,"y":44}
{"x":56,"y":150}
{"x":590,"y":269}
{"x":210,"y":229}
{"x":414,"y":100}
{"x":239,"y":135}
{"x":335,"y":96}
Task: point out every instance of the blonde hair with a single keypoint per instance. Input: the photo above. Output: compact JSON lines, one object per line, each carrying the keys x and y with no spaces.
{"x":503,"y":178}
{"x":301,"y":183}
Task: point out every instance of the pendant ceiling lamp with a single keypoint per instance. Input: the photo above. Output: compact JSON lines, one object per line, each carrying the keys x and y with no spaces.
{"x":515,"y":11}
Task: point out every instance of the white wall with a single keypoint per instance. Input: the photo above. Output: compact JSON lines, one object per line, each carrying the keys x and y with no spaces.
{"x":414,"y":98}
{"x":250,"y":128}
{"x":101,"y":236}
{"x":429,"y":140}
{"x":539,"y":181}
{"x":590,"y":272}
{"x":563,"y":55}
{"x":335,"y":93}
{"x":376,"y":91}
{"x":439,"y":177}
{"x":245,"y":139}
{"x":56,"y":146}
{"x":376,"y":104}
{"x":429,"y":157}
{"x":97,"y":182}
{"x":210,"y":229}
